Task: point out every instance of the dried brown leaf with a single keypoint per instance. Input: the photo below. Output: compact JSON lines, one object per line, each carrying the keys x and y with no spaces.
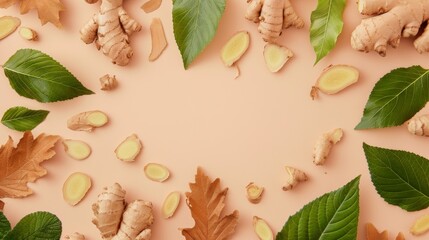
{"x":207,"y":202}
{"x":21,"y":165}
{"x":373,"y":234}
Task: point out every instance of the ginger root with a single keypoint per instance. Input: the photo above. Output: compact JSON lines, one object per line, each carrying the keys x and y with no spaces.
{"x":75,"y":236}
{"x":262,"y":229}
{"x":156,"y":172}
{"x":8,"y":25}
{"x":87,"y":121}
{"x":108,"y":82}
{"x":273,"y":16}
{"x":151,"y":5}
{"x":159,"y":42}
{"x":76,"y":149}
{"x":170,"y":204}
{"x":334,"y":79}
{"x":28,"y":34}
{"x":117,"y":221}
{"x":75,"y":188}
{"x":395,"y":19}
{"x":295,"y":176}
{"x":129,"y":149}
{"x":420,"y":226}
{"x":110,"y":29}
{"x":419,"y":125}
{"x":254,"y":193}
{"x":324,"y":144}
{"x":276,"y":56}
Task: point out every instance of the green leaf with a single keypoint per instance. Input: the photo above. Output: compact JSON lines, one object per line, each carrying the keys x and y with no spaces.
{"x":401,"y":178}
{"x":326,"y":26}
{"x":4,"y":225}
{"x":332,"y":216}
{"x":23,"y":119}
{"x":35,"y":75}
{"x":36,"y":226}
{"x":396,"y":97}
{"x":195,"y":23}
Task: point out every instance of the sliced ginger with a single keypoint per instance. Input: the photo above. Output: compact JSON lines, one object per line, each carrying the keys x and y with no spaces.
{"x":324,"y":144}
{"x":75,"y":188}
{"x":234,"y":49}
{"x":295,"y":176}
{"x":8,"y":25}
{"x":254,"y":193}
{"x":75,"y":236}
{"x":87,"y":121}
{"x":276,"y":56}
{"x":159,"y":42}
{"x":129,"y":149}
{"x":151,"y":5}
{"x":334,"y":79}
{"x":262,"y":229}
{"x":28,"y":34}
{"x":170,"y":204}
{"x":420,"y":226}
{"x":156,"y":172}
{"x":77,"y":149}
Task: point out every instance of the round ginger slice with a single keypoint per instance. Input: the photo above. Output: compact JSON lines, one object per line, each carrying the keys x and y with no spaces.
{"x":129,"y":149}
{"x":276,"y":56}
{"x":254,"y":193}
{"x":334,"y":79}
{"x":75,"y":187}
{"x":170,"y":204}
{"x":87,"y":121}
{"x":77,"y":149}
{"x":156,"y":172}
{"x":235,"y":48}
{"x":8,"y":25}
{"x":262,"y":229}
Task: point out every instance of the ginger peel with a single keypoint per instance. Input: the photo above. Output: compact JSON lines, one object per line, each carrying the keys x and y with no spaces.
{"x":151,"y":5}
{"x":170,"y":204}
{"x":8,"y":25}
{"x":276,"y":56}
{"x":156,"y":172}
{"x":262,"y":229}
{"x":78,"y":150}
{"x":419,"y":125}
{"x":75,"y":188}
{"x":324,"y":144}
{"x":87,"y":121}
{"x":108,"y":82}
{"x":254,"y":193}
{"x":334,"y":79}
{"x":28,"y":34}
{"x":159,"y":42}
{"x":129,"y":149}
{"x":420,"y":226}
{"x":295,"y":176}
{"x":75,"y":236}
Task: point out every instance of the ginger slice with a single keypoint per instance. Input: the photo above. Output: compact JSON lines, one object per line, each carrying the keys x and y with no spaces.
{"x":419,"y":125}
{"x":420,"y":226}
{"x":170,"y":204}
{"x":324,"y":144}
{"x":276,"y":56}
{"x":334,"y":79}
{"x":151,"y":5}
{"x":28,"y":34}
{"x":87,"y":121}
{"x":262,"y":229}
{"x":254,"y":192}
{"x":159,"y":42}
{"x":234,"y":49}
{"x":295,"y":176}
{"x":8,"y":25}
{"x":129,"y":149}
{"x":75,"y":236}
{"x":108,"y":82}
{"x":77,"y":149}
{"x":75,"y":187}
{"x":373,"y":234}
{"x":156,"y":172}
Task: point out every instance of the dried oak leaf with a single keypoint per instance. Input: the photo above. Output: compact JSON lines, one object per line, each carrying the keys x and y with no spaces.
{"x":373,"y":234}
{"x":207,"y":201}
{"x":21,"y":165}
{"x":48,"y":10}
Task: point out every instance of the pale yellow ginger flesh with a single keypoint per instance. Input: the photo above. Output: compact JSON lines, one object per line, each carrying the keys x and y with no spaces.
{"x":324,"y":144}
{"x":75,"y":236}
{"x":151,"y":5}
{"x":170,"y":204}
{"x":129,"y":149}
{"x":75,"y":188}
{"x":273,"y":16}
{"x":156,"y":172}
{"x":334,"y":79}
{"x":262,"y":229}
{"x":87,"y":121}
{"x":419,"y":125}
{"x":395,"y":19}
{"x":159,"y":42}
{"x":108,"y":82}
{"x":254,"y":193}
{"x":234,"y":49}
{"x":276,"y":56}
{"x":28,"y":34}
{"x":420,"y":226}
{"x":295,"y":176}
{"x":76,"y":149}
{"x":8,"y":25}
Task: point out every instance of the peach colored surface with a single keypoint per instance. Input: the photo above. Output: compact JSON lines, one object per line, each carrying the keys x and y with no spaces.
{"x":239,"y":130}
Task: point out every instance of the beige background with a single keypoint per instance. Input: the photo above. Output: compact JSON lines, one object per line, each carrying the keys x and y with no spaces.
{"x":239,"y":130}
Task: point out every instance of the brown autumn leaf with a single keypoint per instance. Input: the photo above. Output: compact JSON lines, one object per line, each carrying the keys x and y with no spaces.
{"x":48,"y":10}
{"x":373,"y":234}
{"x":207,"y":202}
{"x":21,"y":165}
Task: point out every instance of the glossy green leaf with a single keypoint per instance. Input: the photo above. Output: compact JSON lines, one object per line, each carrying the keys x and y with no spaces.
{"x":4,"y":225}
{"x":396,"y":98}
{"x":326,"y":26}
{"x":401,"y":178}
{"x":195,"y":23}
{"x":35,"y":75}
{"x":37,"y":226}
{"x":23,"y":119}
{"x":332,"y":216}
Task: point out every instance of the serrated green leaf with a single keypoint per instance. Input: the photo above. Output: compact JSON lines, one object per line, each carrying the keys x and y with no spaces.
{"x":36,"y":226}
{"x":35,"y":75}
{"x":4,"y":225}
{"x":332,"y":216}
{"x":401,"y":178}
{"x":396,"y":97}
{"x":326,"y":26}
{"x":195,"y":23}
{"x":23,"y":119}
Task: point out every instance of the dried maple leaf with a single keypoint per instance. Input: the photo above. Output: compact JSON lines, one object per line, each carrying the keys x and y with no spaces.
{"x":207,"y":201}
{"x":21,"y":165}
{"x":48,"y":10}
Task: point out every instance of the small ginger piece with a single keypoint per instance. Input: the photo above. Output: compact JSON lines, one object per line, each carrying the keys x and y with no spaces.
{"x":295,"y":176}
{"x":324,"y":144}
{"x":170,"y":204}
{"x":75,"y":236}
{"x":129,"y":149}
{"x":108,"y":82}
{"x":159,"y":42}
{"x":234,"y":49}
{"x":8,"y":25}
{"x":151,"y":5}
{"x":254,"y":192}
{"x":373,"y":234}
{"x":419,"y":125}
{"x":87,"y":121}
{"x":262,"y":229}
{"x":276,"y":56}
{"x":75,"y":188}
{"x":28,"y":34}
{"x":334,"y":79}
{"x":77,"y":149}
{"x":156,"y":172}
{"x":420,"y":226}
